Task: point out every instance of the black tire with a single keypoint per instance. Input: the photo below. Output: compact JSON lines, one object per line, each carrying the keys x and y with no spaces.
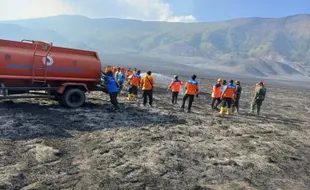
{"x":73,"y":98}
{"x":61,"y":100}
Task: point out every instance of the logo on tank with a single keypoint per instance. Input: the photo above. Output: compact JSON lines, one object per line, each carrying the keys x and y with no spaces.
{"x":48,"y":60}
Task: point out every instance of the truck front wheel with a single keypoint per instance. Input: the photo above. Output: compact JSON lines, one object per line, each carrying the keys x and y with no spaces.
{"x":73,"y":98}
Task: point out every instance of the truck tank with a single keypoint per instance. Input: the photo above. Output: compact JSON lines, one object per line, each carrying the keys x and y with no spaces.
{"x":23,"y":63}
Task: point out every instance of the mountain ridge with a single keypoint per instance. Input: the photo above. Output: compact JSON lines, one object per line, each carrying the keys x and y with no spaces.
{"x":284,"y":39}
{"x":130,"y":19}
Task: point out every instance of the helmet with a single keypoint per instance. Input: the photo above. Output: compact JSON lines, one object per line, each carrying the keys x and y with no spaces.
{"x":219,"y":80}
{"x":237,"y":82}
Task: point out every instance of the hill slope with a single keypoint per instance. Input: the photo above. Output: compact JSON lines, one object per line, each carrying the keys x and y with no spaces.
{"x":285,"y":40}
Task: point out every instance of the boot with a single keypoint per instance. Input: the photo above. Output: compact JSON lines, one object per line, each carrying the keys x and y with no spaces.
{"x":134,"y":97}
{"x":232,"y":109}
{"x":183,"y":105}
{"x":182,"y":108}
{"x":212,"y":105}
{"x":216,"y":105}
{"x":258,"y":110}
{"x":129,"y":97}
{"x":237,"y":110}
{"x":222,"y":110}
{"x":228,"y":112}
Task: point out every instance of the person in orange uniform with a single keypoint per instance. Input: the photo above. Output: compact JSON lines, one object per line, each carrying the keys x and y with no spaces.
{"x":191,"y":89}
{"x":175,"y":86}
{"x":147,"y":83}
{"x":114,"y":70}
{"x":227,"y":97}
{"x":123,"y":70}
{"x":128,"y":73}
{"x":216,"y":94}
{"x":134,"y":81}
{"x":107,"y":69}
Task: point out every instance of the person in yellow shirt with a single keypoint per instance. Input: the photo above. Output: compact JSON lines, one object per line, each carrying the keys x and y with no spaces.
{"x":147,"y":83}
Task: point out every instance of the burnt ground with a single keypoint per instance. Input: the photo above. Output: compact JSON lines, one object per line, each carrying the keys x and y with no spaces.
{"x":44,"y":146}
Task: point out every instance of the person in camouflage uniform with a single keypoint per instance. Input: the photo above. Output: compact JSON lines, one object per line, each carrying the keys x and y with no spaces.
{"x":235,"y":106}
{"x":259,"y":97}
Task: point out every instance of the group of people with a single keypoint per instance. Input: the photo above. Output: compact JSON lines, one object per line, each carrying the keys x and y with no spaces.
{"x":226,"y":94}
{"x":115,"y":77}
{"x":191,"y":90}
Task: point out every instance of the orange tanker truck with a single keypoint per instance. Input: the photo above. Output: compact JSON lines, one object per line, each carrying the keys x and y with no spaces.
{"x":42,"y":70}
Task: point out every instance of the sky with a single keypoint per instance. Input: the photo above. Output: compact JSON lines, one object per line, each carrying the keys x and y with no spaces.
{"x":154,"y":10}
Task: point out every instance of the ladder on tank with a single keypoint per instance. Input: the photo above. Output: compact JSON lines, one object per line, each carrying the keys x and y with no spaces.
{"x":35,"y":67}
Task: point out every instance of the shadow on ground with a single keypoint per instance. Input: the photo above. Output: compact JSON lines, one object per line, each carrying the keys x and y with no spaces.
{"x":24,"y":120}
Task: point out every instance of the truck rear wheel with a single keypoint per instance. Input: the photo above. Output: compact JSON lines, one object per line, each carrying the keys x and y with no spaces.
{"x":61,"y":100}
{"x":73,"y":98}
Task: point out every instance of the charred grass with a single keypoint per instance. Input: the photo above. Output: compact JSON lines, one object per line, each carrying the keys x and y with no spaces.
{"x":44,"y":146}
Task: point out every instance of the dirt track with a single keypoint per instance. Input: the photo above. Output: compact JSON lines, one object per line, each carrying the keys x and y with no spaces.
{"x":44,"y":146}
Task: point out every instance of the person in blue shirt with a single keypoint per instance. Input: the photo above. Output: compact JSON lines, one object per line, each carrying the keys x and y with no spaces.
{"x":120,"y":76}
{"x":224,"y":84}
{"x":112,"y":88}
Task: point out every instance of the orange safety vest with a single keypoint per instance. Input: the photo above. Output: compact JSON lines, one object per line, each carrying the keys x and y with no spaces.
{"x":229,"y":91}
{"x":107,"y":68}
{"x":216,"y":92}
{"x":116,"y":73}
{"x":114,"y":70}
{"x":128,"y":73}
{"x":175,"y":85}
{"x":135,"y":80}
{"x":191,"y":87}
